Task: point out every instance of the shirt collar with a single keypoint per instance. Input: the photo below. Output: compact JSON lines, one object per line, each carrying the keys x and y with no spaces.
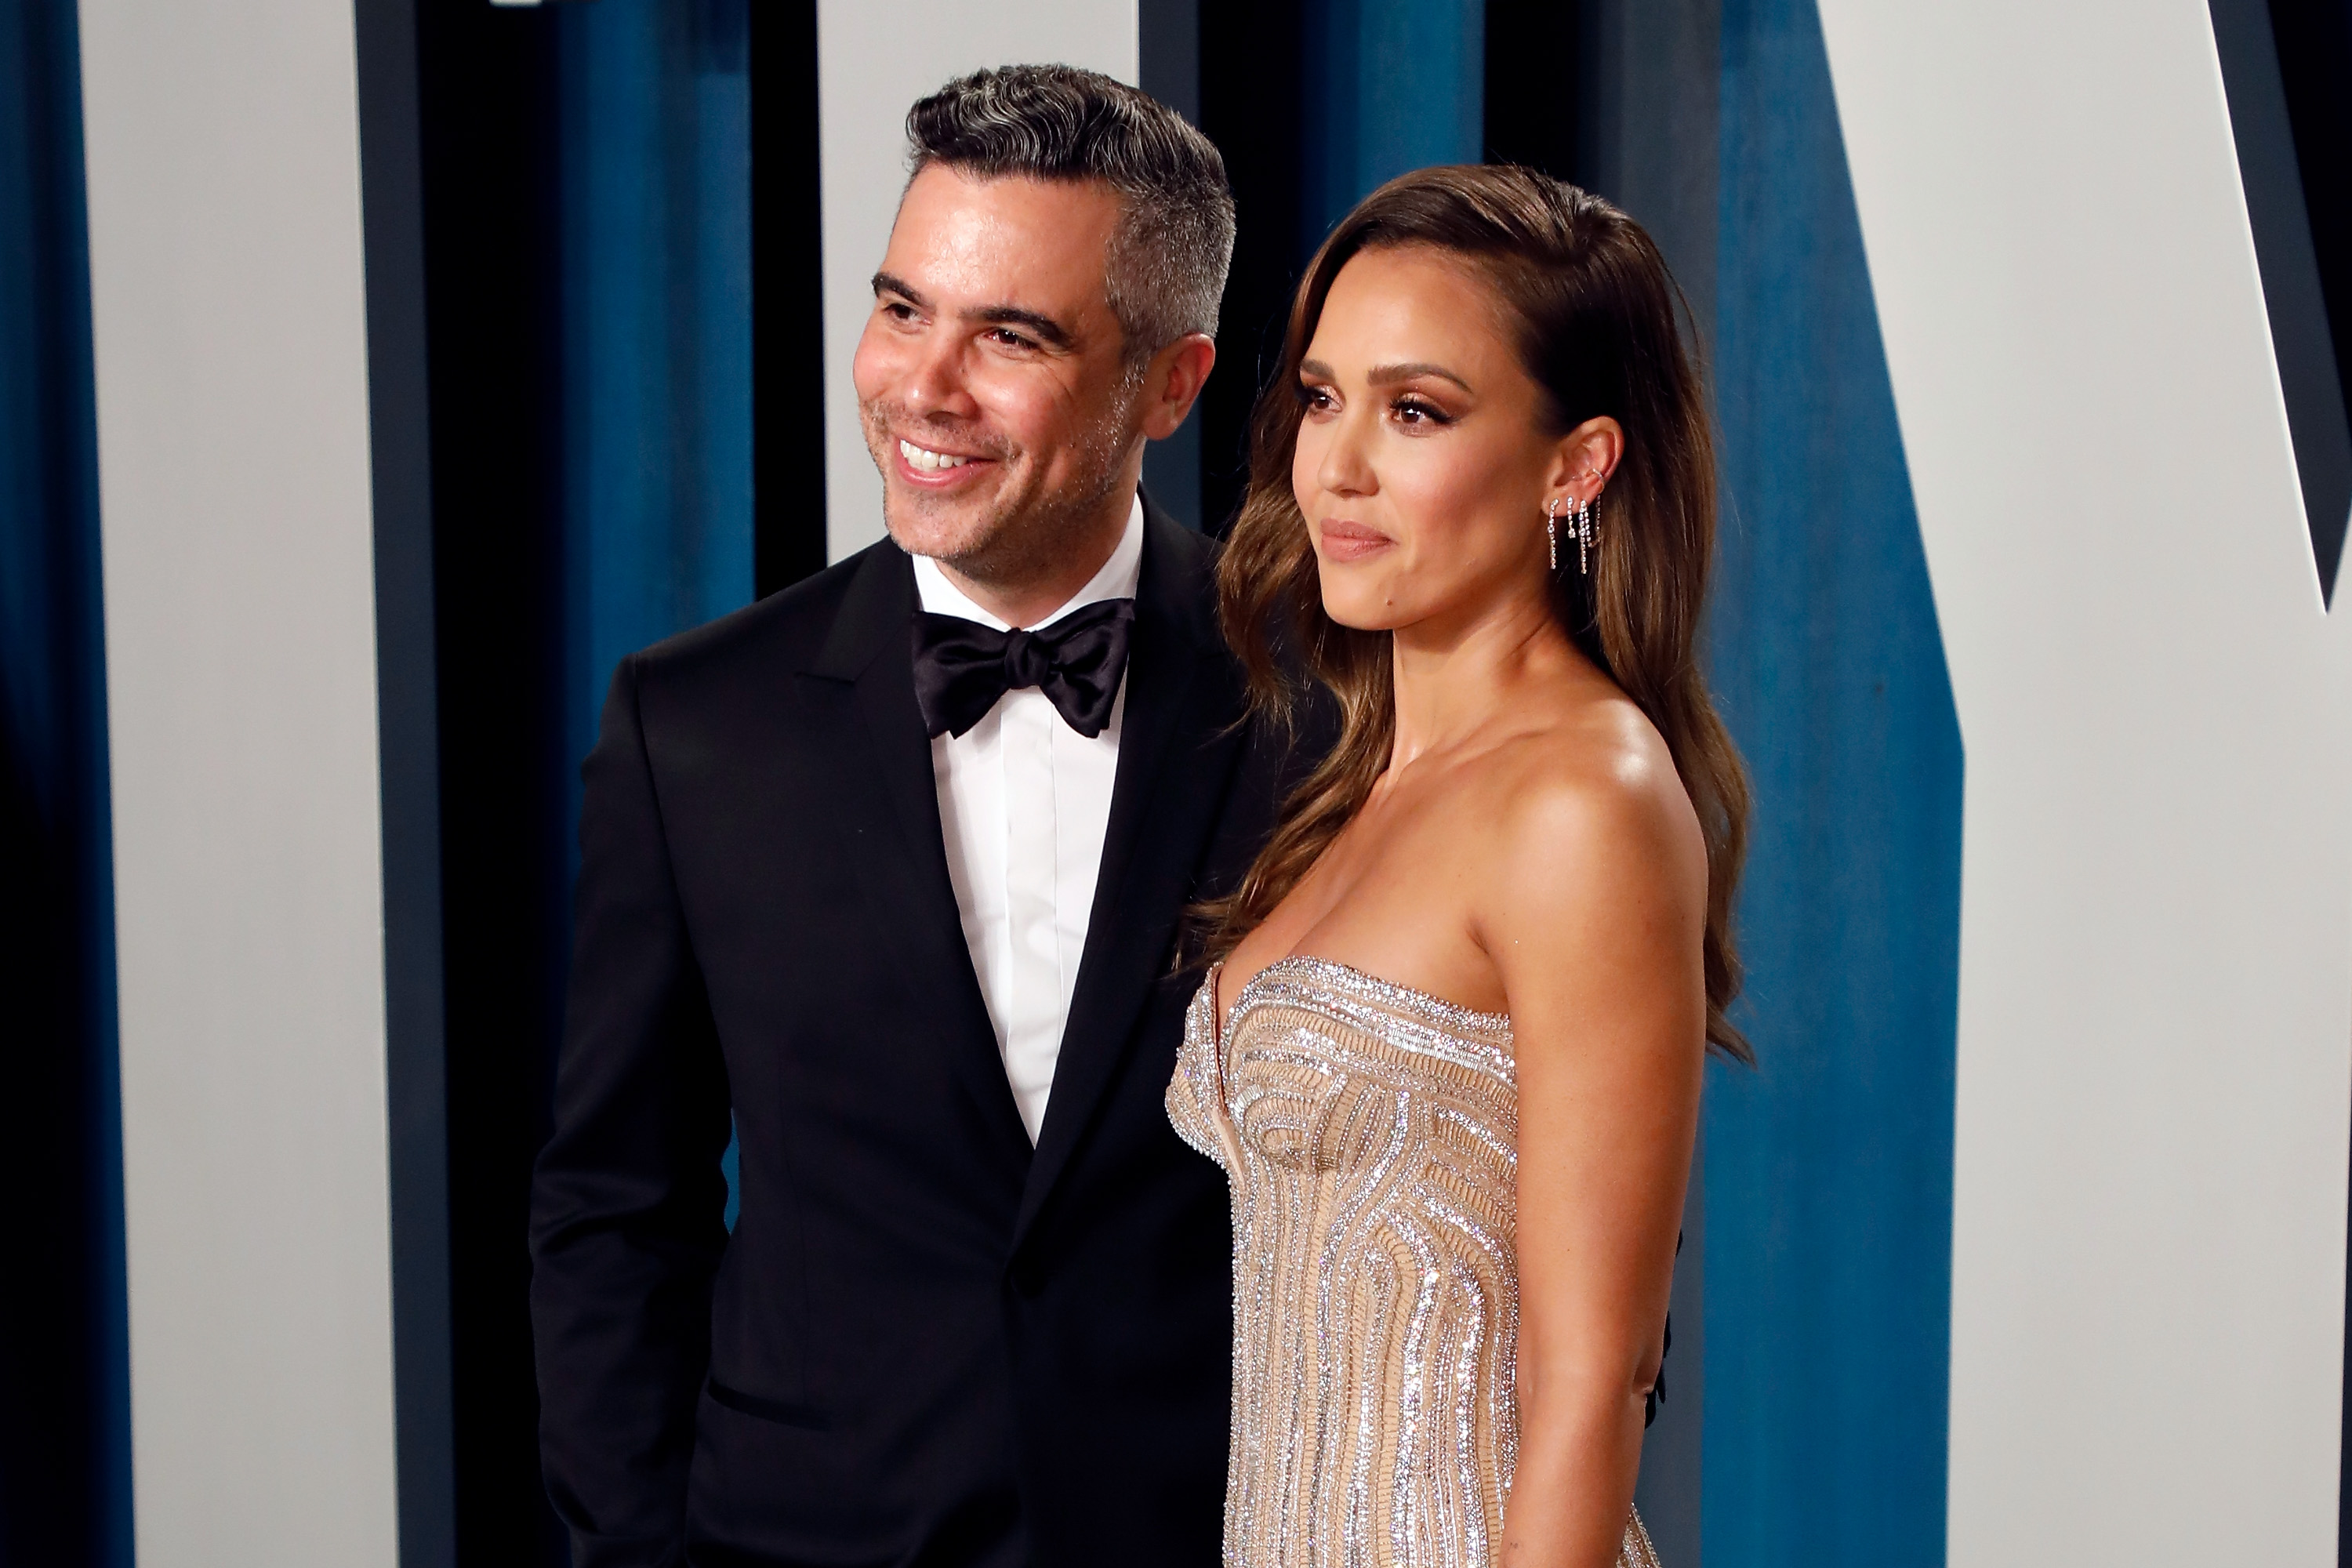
{"x":1117,"y":580}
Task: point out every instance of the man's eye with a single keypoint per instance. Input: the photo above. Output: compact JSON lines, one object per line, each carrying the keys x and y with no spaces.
{"x":1011,"y":339}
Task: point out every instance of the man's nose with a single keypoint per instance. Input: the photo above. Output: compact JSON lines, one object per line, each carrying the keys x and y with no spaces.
{"x":935,"y":380}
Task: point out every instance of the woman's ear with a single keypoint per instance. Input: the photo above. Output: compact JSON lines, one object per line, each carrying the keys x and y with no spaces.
{"x":1584,"y":461}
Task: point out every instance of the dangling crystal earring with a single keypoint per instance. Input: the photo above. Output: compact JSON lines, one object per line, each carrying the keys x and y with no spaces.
{"x":1551,"y":530}
{"x":1583,"y":537}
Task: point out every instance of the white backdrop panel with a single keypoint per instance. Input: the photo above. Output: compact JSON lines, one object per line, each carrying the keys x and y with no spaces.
{"x":226,"y":282}
{"x":2155,"y":968}
{"x":873,"y":63}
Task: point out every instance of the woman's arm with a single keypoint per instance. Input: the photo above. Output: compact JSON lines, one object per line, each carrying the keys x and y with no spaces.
{"x":1594,"y":915}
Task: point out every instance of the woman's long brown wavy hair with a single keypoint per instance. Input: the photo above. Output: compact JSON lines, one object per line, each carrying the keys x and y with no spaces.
{"x":1596,"y":316}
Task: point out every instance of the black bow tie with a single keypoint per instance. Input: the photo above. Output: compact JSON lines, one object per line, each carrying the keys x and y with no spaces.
{"x":961,"y":667}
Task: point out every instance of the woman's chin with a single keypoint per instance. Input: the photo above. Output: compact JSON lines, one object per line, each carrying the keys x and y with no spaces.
{"x":1358,"y":611}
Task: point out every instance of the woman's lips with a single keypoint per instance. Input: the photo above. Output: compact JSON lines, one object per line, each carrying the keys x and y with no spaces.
{"x":1345,"y":540}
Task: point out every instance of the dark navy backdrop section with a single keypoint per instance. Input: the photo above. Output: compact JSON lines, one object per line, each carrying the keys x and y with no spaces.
{"x":2287,"y":152}
{"x":65,"y":1416}
{"x":1830,"y":1167}
{"x":2313,"y":43}
{"x":408,"y":730}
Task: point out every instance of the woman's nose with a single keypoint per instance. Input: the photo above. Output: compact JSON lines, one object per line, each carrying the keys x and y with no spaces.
{"x":1346,"y":468}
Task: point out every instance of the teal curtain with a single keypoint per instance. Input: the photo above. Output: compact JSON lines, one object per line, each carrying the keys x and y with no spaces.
{"x":1829,"y":1168}
{"x":656,"y":340}
{"x":1389,"y":87}
{"x":657,"y":305}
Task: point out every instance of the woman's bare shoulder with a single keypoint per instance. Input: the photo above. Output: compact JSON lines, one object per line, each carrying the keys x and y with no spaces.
{"x":1588,"y":805}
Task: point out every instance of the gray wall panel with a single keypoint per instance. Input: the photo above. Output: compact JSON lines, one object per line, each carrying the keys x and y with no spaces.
{"x":229,"y":325}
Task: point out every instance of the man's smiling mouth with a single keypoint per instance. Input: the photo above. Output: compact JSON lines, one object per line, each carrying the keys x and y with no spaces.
{"x":923,"y":458}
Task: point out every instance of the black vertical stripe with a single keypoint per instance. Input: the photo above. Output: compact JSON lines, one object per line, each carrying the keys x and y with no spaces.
{"x":400,"y":472}
{"x":65,"y":1437}
{"x":788,"y":371}
{"x":1537,"y":96}
{"x":2270,"y":155}
{"x":2314,"y":55}
{"x":1252,"y":64}
{"x":1169,"y":68}
{"x":488,"y":91}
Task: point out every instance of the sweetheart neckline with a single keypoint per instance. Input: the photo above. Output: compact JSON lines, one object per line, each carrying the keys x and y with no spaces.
{"x":1450,"y":1011}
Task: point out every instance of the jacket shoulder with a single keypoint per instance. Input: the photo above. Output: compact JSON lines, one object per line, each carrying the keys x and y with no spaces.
{"x":771,"y":637}
{"x":1180,"y":575}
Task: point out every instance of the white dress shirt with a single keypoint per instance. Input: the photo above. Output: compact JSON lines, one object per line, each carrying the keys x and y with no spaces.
{"x":1023,"y":801}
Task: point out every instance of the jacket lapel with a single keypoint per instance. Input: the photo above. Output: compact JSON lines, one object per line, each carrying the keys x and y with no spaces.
{"x":888,"y":804}
{"x":1179,"y":745}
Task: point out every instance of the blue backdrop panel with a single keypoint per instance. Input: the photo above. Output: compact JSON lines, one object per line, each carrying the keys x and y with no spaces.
{"x":65,"y":1405}
{"x":657,"y":330}
{"x":1830,"y":1167}
{"x":1390,"y":87}
{"x":656,"y":202}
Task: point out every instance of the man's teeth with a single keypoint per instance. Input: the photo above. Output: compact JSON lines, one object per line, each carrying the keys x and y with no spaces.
{"x":922,"y":457}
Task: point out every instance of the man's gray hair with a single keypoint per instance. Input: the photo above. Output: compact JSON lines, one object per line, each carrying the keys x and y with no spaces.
{"x":1166,"y":271}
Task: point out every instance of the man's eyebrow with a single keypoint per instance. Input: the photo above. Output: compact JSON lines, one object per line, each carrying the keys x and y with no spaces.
{"x":891,"y":283}
{"x":1045,"y":327}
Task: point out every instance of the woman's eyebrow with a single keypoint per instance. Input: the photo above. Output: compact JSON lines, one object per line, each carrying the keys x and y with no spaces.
{"x":1387,"y":375}
{"x":1390,"y":375}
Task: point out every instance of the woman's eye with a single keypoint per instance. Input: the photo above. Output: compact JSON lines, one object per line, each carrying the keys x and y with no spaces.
{"x":1413,"y":411}
{"x":1315,"y":398}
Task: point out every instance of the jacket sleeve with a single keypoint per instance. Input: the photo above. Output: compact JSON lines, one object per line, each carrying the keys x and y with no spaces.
{"x":628,"y":1200}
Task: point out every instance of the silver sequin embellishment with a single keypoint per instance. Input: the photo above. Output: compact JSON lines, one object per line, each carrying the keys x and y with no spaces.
{"x":1370,"y":1133}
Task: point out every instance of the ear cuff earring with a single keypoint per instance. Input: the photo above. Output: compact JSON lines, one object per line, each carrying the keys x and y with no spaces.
{"x":1580,"y":528}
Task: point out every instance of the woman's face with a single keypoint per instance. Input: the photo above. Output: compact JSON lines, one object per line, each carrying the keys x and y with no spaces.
{"x":1422,"y":464}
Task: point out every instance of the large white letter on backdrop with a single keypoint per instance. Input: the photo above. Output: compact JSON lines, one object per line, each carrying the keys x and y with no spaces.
{"x":2156,"y":952}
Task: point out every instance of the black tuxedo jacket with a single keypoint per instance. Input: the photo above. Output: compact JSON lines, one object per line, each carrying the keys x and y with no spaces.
{"x":925,"y":1343}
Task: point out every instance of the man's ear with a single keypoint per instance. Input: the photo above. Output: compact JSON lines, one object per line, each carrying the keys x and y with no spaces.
{"x":1173,"y":382}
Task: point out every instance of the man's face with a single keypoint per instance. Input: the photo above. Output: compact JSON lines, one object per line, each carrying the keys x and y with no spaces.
{"x":991,"y":380}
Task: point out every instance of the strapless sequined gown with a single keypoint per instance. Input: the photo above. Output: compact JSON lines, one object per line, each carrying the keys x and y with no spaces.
{"x":1370,"y":1133}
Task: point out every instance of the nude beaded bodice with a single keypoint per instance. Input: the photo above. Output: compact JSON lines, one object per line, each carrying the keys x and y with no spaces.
{"x":1370,"y":1135}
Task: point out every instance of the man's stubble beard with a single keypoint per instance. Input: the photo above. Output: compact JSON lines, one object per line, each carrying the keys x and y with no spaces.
{"x":1023,"y":545}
